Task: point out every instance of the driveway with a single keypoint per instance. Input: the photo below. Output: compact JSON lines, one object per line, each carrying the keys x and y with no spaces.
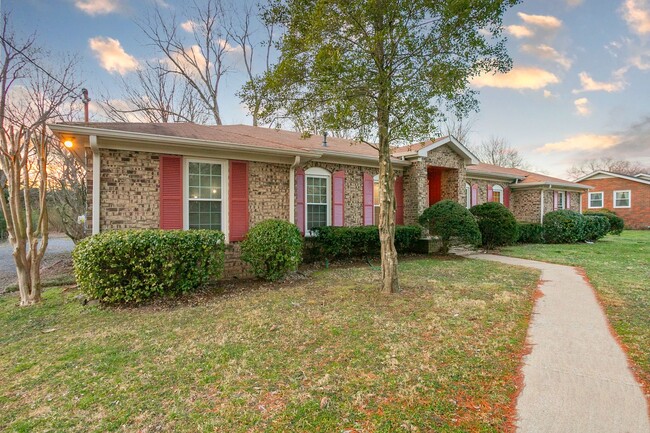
{"x":56,"y":246}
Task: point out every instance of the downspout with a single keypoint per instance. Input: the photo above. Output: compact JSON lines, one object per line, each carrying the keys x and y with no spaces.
{"x":96,"y":179}
{"x":541,"y":206}
{"x":292,"y":190}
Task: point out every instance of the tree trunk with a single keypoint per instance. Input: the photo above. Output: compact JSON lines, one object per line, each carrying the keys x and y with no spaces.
{"x":390,"y":281}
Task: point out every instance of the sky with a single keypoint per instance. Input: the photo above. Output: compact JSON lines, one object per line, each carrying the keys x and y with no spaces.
{"x":579,"y":88}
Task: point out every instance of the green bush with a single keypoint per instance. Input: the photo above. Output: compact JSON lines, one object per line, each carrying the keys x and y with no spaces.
{"x":273,"y":248}
{"x":452,"y":222}
{"x":131,"y":266}
{"x":345,"y":242}
{"x":616,"y":223}
{"x":497,"y":224}
{"x":596,"y":227}
{"x":530,"y":233}
{"x":563,"y":227}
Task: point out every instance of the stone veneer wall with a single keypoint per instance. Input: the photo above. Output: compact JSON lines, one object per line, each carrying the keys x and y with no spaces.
{"x":524,"y":204}
{"x":129,"y":190}
{"x":416,"y":188}
{"x":268,"y":191}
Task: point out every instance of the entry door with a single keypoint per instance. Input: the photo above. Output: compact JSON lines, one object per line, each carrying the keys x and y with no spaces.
{"x":435,"y":184}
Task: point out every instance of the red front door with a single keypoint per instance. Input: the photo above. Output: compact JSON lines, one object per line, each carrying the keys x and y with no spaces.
{"x":435,"y":184}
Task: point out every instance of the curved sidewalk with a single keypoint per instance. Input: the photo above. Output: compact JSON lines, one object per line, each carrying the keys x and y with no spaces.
{"x":576,"y":377}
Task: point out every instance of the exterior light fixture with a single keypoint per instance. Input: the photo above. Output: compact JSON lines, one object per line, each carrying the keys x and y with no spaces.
{"x":68,"y":144}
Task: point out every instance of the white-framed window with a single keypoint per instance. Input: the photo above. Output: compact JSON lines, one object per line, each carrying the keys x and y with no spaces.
{"x":497,"y":194}
{"x":375,"y":199}
{"x":561,"y":200}
{"x":318,"y":184}
{"x":623,"y":198}
{"x":595,"y":200}
{"x":468,"y":196}
{"x":205,"y":192}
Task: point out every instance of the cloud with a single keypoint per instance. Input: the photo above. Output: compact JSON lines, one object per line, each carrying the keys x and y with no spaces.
{"x":519,"y":31}
{"x":590,"y":85}
{"x":518,"y":78}
{"x":573,"y":3}
{"x":544,"y":21}
{"x":112,"y":56}
{"x":582,"y":142}
{"x":637,"y":15}
{"x":547,"y":53}
{"x":99,"y":7}
{"x":582,"y":107}
{"x":548,"y":94}
{"x":188,"y":26}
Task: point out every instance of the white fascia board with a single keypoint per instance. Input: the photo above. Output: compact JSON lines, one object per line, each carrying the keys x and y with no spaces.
{"x":487,"y":175}
{"x":551,"y":185}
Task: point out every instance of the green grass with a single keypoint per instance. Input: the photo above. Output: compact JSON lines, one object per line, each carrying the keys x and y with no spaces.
{"x":619,"y":269}
{"x":325,"y":354}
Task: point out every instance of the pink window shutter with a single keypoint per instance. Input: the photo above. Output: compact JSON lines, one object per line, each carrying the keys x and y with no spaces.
{"x":399,"y":200}
{"x":368,"y":205}
{"x":489,"y":193}
{"x":300,"y":199}
{"x":506,"y":197}
{"x":238,"y":200}
{"x":554,"y":200}
{"x":568,"y":199}
{"x":171,"y":192}
{"x":338,"y":198}
{"x":474,"y":201}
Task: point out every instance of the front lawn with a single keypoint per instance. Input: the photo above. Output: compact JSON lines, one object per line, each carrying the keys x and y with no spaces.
{"x":619,"y":269}
{"x":324,"y":354}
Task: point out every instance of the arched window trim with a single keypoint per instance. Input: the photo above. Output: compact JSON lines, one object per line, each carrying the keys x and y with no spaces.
{"x":498,"y":189}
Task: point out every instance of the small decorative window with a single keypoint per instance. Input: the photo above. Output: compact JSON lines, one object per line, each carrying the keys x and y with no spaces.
{"x":622,"y":198}
{"x":317,"y":187}
{"x":375,"y":198}
{"x":497,"y":194}
{"x":561,"y":200}
{"x":468,"y":196}
{"x":595,"y":200}
{"x":205,"y":207}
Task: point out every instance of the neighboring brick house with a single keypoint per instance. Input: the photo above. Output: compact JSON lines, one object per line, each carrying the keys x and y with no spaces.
{"x":183,"y":175}
{"x":628,"y":196}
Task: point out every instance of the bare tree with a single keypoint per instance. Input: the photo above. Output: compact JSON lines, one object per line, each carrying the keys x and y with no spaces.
{"x":29,"y":96}
{"x":200,"y":59}
{"x":242,"y":31}
{"x":497,"y":151}
{"x":620,"y":166}
{"x":156,"y":95}
{"x":460,"y":128}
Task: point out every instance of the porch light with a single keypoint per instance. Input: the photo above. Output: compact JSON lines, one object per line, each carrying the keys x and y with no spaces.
{"x":68,"y":144}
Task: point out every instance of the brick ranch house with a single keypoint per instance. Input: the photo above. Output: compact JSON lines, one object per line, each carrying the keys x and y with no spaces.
{"x":628,"y":196}
{"x":183,"y":176}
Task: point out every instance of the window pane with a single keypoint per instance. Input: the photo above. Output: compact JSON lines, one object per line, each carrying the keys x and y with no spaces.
{"x":596,"y":200}
{"x":317,"y":190}
{"x":205,"y":215}
{"x":496,"y":196}
{"x":316,"y":215}
{"x":622,"y":199}
{"x":375,"y":193}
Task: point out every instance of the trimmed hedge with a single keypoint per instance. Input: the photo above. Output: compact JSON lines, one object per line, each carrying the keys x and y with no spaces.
{"x":564,"y":227}
{"x":596,"y":227}
{"x":346,"y":242}
{"x":131,"y":266}
{"x":530,"y":233}
{"x":616,"y":223}
{"x":273,"y":248}
{"x":452,"y":222}
{"x":497,"y":224}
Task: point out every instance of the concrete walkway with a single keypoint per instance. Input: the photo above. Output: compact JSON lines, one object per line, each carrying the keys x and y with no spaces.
{"x":576,"y":378}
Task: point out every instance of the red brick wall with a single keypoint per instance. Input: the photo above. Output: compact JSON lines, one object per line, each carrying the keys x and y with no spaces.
{"x":638,"y":215}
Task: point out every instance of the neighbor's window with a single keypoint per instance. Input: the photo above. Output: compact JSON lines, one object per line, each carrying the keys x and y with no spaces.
{"x":205,"y":195}
{"x":561,"y":199}
{"x":595,"y":200}
{"x":497,"y":194}
{"x":375,"y":198}
{"x":622,"y":198}
{"x":317,"y":186}
{"x":468,"y":196}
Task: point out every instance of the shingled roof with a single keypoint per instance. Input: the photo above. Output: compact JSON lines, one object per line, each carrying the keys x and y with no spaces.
{"x":521,"y":177}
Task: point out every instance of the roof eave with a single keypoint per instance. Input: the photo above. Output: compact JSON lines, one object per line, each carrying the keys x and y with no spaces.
{"x":470,"y":173}
{"x":552,"y":185}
